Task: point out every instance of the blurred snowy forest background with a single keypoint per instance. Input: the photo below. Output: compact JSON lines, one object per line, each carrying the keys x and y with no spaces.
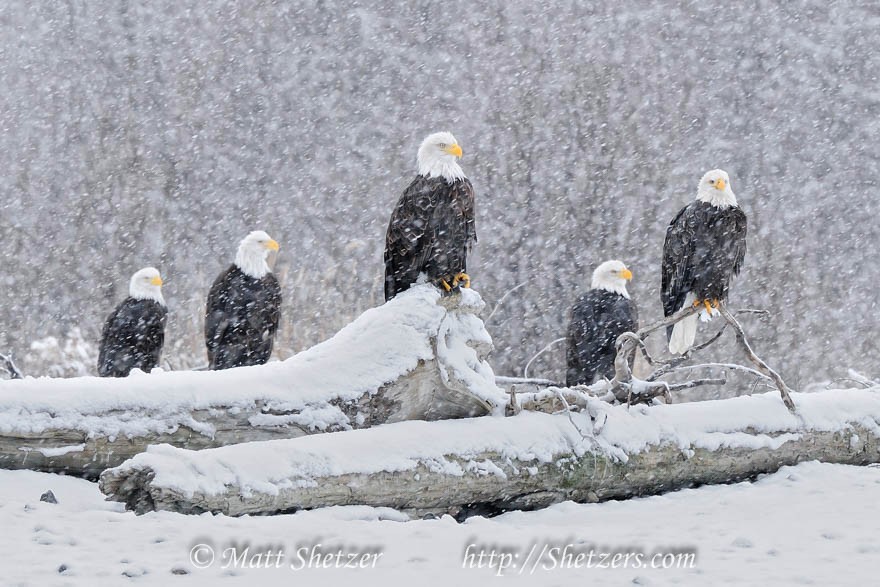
{"x":160,"y":133}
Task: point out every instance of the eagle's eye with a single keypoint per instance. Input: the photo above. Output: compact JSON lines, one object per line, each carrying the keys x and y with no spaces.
{"x":711,"y":181}
{"x":442,"y":145}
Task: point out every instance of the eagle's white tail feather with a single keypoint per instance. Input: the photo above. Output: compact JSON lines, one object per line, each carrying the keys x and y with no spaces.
{"x":684,"y":332}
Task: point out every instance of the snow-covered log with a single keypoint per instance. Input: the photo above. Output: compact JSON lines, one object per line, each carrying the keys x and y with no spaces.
{"x":493,"y":463}
{"x":419,"y":356}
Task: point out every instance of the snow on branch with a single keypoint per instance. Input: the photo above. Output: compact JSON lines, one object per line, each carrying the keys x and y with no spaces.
{"x":419,"y":356}
{"x":598,"y":451}
{"x":9,"y":366}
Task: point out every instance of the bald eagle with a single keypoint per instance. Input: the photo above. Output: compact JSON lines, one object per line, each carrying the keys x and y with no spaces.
{"x":432,"y":227}
{"x":597,"y":319}
{"x":244,"y":306}
{"x":705,"y":246}
{"x":135,"y":331}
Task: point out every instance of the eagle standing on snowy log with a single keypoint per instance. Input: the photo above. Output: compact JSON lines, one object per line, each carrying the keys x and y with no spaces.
{"x":244,"y":307}
{"x":597,"y":319}
{"x":705,"y":246}
{"x":432,"y":227}
{"x":135,"y":332}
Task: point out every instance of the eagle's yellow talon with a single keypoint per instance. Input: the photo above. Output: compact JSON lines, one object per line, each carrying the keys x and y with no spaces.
{"x":445,"y":285}
{"x":708,"y":306}
{"x":462,"y":278}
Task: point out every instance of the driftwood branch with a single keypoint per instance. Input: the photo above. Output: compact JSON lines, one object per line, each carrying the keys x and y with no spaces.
{"x":524,"y":462}
{"x":670,"y":365}
{"x":857,"y":378}
{"x":729,"y":366}
{"x":504,"y":297}
{"x":765,"y":369}
{"x":623,"y":386}
{"x":539,"y":353}
{"x":503,"y":380}
{"x":697,"y":383}
{"x":673,"y":363}
{"x":7,"y":364}
{"x":626,"y":389}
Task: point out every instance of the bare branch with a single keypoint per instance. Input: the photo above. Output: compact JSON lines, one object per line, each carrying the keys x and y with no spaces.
{"x":669,"y":366}
{"x":504,"y":380}
{"x":624,"y":388}
{"x":512,"y":408}
{"x":8,"y":365}
{"x":621,"y":384}
{"x":696,"y":383}
{"x":856,"y":376}
{"x":784,"y":391}
{"x":501,"y":301}
{"x":539,"y":353}
{"x":731,"y":366}
{"x":863,"y":384}
{"x":668,"y":321}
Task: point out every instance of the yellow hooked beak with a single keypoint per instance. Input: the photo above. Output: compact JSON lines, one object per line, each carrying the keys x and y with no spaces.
{"x":156,"y":281}
{"x":626,"y":274}
{"x":272,"y":245}
{"x":719,"y":185}
{"x":454,"y":150}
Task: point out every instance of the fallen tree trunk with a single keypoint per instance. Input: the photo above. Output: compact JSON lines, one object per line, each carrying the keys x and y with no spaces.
{"x":491,"y":464}
{"x":420,"y":356}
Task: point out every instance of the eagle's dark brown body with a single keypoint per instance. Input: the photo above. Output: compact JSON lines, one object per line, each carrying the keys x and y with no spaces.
{"x":133,"y":337}
{"x":241,"y":319}
{"x":431,"y":231}
{"x":705,"y":246}
{"x":598,"y":317}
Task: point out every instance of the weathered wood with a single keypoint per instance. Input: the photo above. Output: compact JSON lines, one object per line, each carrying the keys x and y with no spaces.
{"x":764,"y":368}
{"x":682,"y":445}
{"x":85,"y":425}
{"x":8,"y":365}
{"x":76,"y":453}
{"x":624,"y":388}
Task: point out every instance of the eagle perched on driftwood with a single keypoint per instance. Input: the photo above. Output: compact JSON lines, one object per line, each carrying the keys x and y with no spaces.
{"x":705,"y":246}
{"x":598,"y":317}
{"x":134,"y":333}
{"x":432,"y":227}
{"x":244,"y":307}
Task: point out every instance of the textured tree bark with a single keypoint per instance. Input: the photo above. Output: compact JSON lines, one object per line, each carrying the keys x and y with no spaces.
{"x":486,"y":481}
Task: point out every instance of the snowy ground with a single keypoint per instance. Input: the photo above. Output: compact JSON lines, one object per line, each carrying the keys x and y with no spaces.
{"x":814,"y":524}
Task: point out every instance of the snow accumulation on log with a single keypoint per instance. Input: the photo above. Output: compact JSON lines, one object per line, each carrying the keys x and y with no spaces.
{"x":523,"y":462}
{"x":419,"y":356}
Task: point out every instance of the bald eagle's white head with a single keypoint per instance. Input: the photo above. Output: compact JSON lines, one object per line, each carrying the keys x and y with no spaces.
{"x":252,"y":253}
{"x":146,"y":284}
{"x":715,"y":189}
{"x":437,"y":157}
{"x":612,"y":276}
